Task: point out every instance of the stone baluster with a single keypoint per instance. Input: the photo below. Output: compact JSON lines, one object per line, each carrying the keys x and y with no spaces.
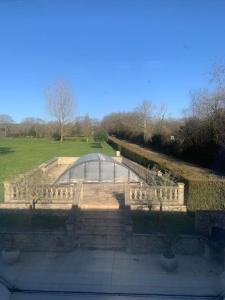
{"x":128,"y":191}
{"x":180,"y":191}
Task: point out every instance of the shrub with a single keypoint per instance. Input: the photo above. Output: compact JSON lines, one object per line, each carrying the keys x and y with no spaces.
{"x":100,"y":136}
{"x":203,"y":190}
{"x":56,"y":136}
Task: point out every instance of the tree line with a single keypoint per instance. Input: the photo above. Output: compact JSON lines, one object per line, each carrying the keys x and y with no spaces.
{"x":198,"y":136}
{"x":61,"y":104}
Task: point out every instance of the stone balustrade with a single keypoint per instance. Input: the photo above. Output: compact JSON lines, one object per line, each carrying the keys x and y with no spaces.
{"x":49,"y":193}
{"x":170,"y":197}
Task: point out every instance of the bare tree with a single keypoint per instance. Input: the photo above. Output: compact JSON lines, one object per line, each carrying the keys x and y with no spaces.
{"x":5,"y":121}
{"x":161,"y":115}
{"x":145,"y":111}
{"x":32,"y":186}
{"x":86,"y":127}
{"x":217,"y":75}
{"x":33,"y":126}
{"x":61,"y":104}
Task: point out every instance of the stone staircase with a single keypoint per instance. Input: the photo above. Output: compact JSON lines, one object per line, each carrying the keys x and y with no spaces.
{"x":100,"y":222}
{"x":102,"y":196}
{"x":101,"y":229}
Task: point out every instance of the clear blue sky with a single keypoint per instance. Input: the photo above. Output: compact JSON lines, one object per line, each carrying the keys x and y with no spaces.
{"x":114,"y":53}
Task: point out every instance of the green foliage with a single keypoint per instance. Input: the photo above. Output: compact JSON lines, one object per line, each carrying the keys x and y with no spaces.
{"x":18,"y":155}
{"x":203,"y":190}
{"x":100,"y":136}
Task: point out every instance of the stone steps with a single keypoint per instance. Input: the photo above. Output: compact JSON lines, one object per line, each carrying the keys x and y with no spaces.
{"x":101,"y":241}
{"x":102,"y":196}
{"x":100,"y":229}
{"x":100,"y":224}
{"x":101,"y":246}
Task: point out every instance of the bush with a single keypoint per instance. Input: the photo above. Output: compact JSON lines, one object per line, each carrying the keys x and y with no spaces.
{"x":203,"y":190}
{"x":56,"y":136}
{"x":100,"y":136}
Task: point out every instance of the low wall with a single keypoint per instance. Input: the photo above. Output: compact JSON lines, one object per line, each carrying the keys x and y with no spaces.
{"x":23,"y":205}
{"x":153,"y":243}
{"x":171,"y":198}
{"x":205,"y":220}
{"x":38,"y":241}
{"x":67,"y":160}
{"x":47,"y":165}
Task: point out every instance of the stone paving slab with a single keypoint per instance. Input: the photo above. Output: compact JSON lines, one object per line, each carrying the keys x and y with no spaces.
{"x":95,"y":297}
{"x":112,"y":272}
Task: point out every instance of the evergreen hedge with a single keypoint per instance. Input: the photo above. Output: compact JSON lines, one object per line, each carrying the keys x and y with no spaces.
{"x":203,"y":189}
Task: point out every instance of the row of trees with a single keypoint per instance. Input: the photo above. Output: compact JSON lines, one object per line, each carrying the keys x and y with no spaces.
{"x":34,"y":127}
{"x":199,"y":136}
{"x":61,"y":105}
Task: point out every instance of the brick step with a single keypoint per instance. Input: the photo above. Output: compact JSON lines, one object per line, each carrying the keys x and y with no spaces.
{"x":99,"y":237}
{"x":100,"y":241}
{"x":98,"y":222}
{"x":102,"y":229}
{"x":101,"y":214}
{"x":99,"y":246}
{"x":99,"y":206}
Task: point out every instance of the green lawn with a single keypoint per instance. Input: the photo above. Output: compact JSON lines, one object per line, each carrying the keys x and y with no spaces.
{"x":18,"y":155}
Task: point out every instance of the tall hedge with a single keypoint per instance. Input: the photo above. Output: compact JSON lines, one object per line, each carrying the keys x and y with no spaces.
{"x":203,"y":189}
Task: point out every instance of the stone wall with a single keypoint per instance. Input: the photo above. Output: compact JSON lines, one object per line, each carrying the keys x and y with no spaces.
{"x":205,"y":220}
{"x":38,"y":241}
{"x":153,"y":243}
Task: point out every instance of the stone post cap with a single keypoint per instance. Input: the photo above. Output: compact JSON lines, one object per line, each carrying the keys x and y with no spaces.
{"x":180,"y":184}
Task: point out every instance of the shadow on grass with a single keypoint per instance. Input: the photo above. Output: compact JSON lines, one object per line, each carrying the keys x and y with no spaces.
{"x":5,"y":150}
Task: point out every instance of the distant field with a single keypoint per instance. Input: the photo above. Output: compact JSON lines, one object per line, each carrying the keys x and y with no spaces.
{"x":18,"y":155}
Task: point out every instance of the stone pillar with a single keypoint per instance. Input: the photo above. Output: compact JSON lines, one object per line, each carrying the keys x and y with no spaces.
{"x":7,"y":192}
{"x":127,"y":195}
{"x":180,"y":193}
{"x":118,"y":153}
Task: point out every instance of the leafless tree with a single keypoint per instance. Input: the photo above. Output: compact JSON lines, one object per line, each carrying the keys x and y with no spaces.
{"x":145,"y":111}
{"x":217,"y":75}
{"x":5,"y":121}
{"x":160,"y":117}
{"x":31,"y":186}
{"x":61,"y":104}
{"x":33,"y":126}
{"x":86,"y":127}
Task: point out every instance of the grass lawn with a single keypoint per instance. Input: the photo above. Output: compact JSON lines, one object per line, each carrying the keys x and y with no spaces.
{"x":18,"y":155}
{"x":170,"y":222}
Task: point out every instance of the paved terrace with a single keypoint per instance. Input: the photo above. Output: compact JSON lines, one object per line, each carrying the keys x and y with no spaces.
{"x":110,"y":272}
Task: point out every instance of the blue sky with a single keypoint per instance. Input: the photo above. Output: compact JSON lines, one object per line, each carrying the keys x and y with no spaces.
{"x":114,"y":53}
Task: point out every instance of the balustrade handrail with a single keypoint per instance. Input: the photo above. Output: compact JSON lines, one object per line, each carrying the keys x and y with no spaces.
{"x":48,"y":192}
{"x":172,"y":194}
